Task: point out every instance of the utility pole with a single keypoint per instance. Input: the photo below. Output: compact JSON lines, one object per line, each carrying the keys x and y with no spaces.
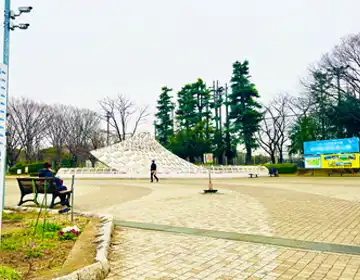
{"x":219,"y":100}
{"x":107,"y":128}
{"x":215,"y":107}
{"x":227,"y":124}
{"x":173,"y":117}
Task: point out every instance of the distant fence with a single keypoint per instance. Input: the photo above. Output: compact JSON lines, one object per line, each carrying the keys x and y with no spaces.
{"x":222,"y":171}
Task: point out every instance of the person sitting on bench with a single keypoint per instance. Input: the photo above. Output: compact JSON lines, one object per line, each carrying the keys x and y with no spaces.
{"x":46,"y":172}
{"x":273,"y":172}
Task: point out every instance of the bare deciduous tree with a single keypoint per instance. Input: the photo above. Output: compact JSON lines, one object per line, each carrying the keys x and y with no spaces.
{"x":97,"y":140}
{"x":80,"y":126}
{"x":268,"y":136}
{"x":282,"y":121}
{"x":344,"y":65}
{"x":30,"y":120}
{"x":56,"y":129}
{"x":14,"y":145}
{"x":121,"y":112}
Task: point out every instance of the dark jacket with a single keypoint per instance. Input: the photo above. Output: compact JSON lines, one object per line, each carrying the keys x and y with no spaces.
{"x":46,"y":173}
{"x":153,"y":167}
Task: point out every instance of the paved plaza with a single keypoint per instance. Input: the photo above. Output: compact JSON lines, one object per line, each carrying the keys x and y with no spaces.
{"x":325,"y":210}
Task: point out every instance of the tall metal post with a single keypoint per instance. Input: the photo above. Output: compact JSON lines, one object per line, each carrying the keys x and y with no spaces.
{"x":6,"y":45}
{"x":6,"y":53}
{"x":227,"y":124}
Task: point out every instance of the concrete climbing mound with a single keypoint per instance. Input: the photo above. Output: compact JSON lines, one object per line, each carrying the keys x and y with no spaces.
{"x":132,"y":158}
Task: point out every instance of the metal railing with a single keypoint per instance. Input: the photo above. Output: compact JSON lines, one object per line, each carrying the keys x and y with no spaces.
{"x":222,"y":171}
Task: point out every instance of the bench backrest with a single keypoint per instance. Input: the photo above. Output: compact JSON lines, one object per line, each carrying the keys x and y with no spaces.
{"x":27,"y":186}
{"x":48,"y":182}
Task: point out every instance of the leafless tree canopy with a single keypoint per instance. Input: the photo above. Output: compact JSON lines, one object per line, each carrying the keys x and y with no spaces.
{"x":30,"y":121}
{"x":79,"y":126}
{"x":32,"y":126}
{"x":14,"y":145}
{"x":124,"y":116}
{"x":273,"y":135}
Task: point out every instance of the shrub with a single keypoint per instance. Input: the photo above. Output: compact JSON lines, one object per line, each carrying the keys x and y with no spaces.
{"x":283,"y":168}
{"x":13,"y":169}
{"x":9,"y":273}
{"x":34,"y":174}
{"x":33,"y":252}
{"x":35,"y":167}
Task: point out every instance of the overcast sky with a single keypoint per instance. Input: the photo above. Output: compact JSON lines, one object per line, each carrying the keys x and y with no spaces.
{"x":78,"y":51}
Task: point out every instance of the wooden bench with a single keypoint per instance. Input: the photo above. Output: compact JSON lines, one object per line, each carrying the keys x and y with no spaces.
{"x":252,"y":175}
{"x":34,"y":186}
{"x":334,"y":171}
{"x":341,"y":171}
{"x":305,"y":172}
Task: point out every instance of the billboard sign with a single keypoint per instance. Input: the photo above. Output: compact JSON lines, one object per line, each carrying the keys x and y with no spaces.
{"x":350,"y":160}
{"x":335,"y":146}
{"x":312,"y":162}
{"x":208,"y":158}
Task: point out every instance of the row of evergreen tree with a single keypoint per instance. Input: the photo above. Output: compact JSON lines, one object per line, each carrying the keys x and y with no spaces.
{"x":210,"y":119}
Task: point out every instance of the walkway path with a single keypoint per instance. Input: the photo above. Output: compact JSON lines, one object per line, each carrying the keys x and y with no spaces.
{"x":308,"y":209}
{"x":139,"y":254}
{"x":267,"y":208}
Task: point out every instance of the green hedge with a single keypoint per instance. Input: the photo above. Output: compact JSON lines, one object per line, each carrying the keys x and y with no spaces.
{"x":32,"y":168}
{"x":13,"y":169}
{"x":35,"y":167}
{"x":283,"y":168}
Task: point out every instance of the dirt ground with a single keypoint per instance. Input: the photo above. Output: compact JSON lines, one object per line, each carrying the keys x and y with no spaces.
{"x":37,"y":255}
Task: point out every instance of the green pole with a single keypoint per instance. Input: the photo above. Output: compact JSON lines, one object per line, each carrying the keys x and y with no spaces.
{"x":72,"y":198}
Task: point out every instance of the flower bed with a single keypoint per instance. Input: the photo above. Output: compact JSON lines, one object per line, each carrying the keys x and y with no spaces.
{"x":30,"y":250}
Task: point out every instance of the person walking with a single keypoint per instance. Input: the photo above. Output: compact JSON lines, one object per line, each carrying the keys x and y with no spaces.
{"x":153,"y":172}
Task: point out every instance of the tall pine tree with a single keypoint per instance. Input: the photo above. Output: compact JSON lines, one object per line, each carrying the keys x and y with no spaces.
{"x":164,"y":123}
{"x":244,"y":108}
{"x":186,"y":113}
{"x":194,"y":119}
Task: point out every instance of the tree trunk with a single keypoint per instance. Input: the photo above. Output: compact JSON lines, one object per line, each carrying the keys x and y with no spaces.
{"x":248,"y":158}
{"x":272,"y":157}
{"x":281,"y":156}
{"x":58,"y":151}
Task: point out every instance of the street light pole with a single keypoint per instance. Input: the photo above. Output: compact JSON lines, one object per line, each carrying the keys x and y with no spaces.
{"x":6,"y":46}
{"x":8,"y":26}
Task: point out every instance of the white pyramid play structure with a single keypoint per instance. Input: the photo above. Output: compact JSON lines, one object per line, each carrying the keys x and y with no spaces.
{"x":132,"y":159}
{"x":134,"y":156}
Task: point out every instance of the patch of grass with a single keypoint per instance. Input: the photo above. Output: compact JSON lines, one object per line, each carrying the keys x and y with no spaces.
{"x":35,"y":252}
{"x":49,"y":227}
{"x":12,"y":216}
{"x":13,"y":241}
{"x":7,"y":273}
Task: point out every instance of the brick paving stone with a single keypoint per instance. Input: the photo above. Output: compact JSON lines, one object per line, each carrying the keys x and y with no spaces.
{"x":313,"y":209}
{"x":179,"y":256}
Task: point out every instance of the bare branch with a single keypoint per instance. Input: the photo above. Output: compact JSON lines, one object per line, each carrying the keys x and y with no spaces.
{"x":121,"y":112}
{"x":30,"y":121}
